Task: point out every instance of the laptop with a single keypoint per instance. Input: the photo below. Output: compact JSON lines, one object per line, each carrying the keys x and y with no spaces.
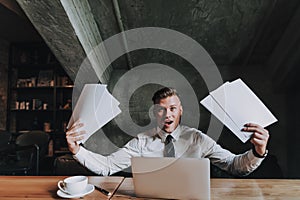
{"x":171,"y":178}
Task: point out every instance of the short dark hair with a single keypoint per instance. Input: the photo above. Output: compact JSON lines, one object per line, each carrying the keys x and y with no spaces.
{"x":164,"y":93}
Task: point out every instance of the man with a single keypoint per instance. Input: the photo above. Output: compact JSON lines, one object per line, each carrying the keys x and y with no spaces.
{"x":187,"y":142}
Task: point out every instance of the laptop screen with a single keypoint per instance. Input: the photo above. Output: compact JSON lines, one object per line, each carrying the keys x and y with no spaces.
{"x":175,"y":178}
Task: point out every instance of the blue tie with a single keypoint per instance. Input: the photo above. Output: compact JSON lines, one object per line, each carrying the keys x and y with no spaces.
{"x":169,"y":147}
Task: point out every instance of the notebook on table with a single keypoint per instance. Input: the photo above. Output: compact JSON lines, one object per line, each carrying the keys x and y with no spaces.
{"x":171,"y":178}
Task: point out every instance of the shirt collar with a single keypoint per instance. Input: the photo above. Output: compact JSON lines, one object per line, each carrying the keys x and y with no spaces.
{"x":163,"y":135}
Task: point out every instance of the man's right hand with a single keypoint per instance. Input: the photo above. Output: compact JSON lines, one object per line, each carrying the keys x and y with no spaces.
{"x":73,"y":136}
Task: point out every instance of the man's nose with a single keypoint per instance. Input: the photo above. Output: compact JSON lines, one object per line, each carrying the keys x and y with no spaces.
{"x":168,"y":112}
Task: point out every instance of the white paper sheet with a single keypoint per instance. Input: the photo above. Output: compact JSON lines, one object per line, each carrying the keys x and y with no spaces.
{"x":234,"y":104}
{"x":95,"y":108}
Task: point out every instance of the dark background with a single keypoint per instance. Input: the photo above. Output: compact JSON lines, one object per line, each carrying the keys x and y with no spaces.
{"x":257,"y":41}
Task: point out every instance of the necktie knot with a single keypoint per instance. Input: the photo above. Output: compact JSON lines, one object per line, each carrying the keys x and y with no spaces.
{"x":169,"y":147}
{"x":168,"y":139}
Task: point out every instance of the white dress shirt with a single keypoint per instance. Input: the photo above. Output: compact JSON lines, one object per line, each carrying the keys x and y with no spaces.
{"x":188,"y":142}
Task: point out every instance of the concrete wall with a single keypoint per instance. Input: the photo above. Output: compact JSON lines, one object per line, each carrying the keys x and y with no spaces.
{"x":4,"y":54}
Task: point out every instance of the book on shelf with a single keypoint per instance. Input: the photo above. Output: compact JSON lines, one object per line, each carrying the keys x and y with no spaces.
{"x":26,"y":82}
{"x":37,"y":104}
{"x":64,"y":81}
{"x":45,"y":78}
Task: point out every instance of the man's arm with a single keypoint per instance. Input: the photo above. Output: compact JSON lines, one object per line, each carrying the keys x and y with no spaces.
{"x":99,"y":164}
{"x":108,"y":165}
{"x":242,"y":164}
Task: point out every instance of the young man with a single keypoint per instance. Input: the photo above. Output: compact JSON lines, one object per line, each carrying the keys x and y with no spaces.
{"x":187,"y":142}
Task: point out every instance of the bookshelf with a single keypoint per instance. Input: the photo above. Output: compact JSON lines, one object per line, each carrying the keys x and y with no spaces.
{"x":39,"y":94}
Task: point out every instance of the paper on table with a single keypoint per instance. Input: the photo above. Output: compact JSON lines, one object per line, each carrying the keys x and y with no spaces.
{"x":234,"y":104}
{"x":95,"y":107}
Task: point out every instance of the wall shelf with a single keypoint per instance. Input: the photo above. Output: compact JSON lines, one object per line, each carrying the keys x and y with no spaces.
{"x":39,"y":93}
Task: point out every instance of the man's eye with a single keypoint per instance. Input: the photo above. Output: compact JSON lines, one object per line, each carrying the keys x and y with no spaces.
{"x":173,"y":108}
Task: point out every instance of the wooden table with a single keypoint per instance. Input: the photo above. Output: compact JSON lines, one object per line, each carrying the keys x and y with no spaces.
{"x":236,"y":189}
{"x":45,"y":187}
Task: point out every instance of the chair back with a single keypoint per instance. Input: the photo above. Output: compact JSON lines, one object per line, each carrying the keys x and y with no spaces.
{"x":40,"y":138}
{"x":26,"y":160}
{"x":19,"y":160}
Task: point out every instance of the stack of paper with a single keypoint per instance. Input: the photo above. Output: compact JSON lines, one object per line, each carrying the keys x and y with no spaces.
{"x":95,"y":107}
{"x":234,"y":104}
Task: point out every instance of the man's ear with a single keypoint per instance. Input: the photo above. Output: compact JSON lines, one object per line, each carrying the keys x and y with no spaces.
{"x":181,"y":110}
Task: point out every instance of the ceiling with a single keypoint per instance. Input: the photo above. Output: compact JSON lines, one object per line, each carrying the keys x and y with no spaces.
{"x":15,"y":27}
{"x":234,"y":32}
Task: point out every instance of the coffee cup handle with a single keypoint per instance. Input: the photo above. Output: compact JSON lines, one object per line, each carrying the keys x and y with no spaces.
{"x":61,"y":185}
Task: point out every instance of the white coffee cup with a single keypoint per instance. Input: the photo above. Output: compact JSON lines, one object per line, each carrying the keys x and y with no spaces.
{"x":73,"y":185}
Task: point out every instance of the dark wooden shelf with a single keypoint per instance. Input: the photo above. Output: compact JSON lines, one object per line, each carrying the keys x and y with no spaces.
{"x":65,"y":87}
{"x":33,"y":88}
{"x":24,"y":110}
{"x":28,"y":67}
{"x":42,"y":87}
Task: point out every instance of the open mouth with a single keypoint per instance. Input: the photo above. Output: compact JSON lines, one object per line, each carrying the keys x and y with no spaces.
{"x":168,"y":123}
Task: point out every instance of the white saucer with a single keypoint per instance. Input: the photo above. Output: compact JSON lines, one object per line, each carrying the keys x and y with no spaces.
{"x":89,"y":189}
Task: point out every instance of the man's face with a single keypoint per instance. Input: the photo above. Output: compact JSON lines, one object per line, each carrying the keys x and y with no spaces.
{"x":168,"y":112}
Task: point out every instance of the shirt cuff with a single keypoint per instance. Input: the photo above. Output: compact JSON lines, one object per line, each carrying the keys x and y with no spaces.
{"x":80,"y":155}
{"x":251,"y":156}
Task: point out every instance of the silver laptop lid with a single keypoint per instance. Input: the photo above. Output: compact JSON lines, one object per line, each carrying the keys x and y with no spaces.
{"x":173,"y":178}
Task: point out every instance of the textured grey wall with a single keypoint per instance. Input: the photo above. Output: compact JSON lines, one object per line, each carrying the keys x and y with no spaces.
{"x":225,"y":28}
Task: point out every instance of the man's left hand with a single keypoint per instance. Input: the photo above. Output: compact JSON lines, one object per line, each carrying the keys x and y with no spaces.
{"x":259,"y":137}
